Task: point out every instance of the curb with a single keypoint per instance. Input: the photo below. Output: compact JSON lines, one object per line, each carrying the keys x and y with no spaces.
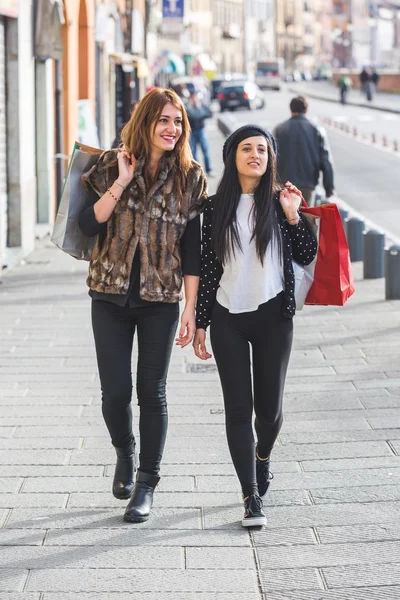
{"x":228,"y":124}
{"x":336,"y":101}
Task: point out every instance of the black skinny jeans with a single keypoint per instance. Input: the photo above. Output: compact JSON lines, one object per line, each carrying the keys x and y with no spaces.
{"x":270,"y":336}
{"x":114,"y":328}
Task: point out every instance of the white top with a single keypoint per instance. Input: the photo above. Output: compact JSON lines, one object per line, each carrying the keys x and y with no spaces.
{"x":245,"y":282}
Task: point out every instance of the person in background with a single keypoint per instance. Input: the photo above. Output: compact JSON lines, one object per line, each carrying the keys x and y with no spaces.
{"x":364,"y":80}
{"x":303,"y":152}
{"x":197,"y":114}
{"x":252,"y":229}
{"x":344,"y":85}
{"x":375,"y":79}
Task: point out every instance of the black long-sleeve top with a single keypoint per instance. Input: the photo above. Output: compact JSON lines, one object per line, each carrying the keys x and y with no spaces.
{"x":190,"y":256}
{"x":297,"y":244}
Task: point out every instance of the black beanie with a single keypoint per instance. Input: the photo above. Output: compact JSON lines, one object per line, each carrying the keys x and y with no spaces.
{"x":241,"y":134}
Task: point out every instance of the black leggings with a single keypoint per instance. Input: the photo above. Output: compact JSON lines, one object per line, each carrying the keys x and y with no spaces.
{"x":270,"y":336}
{"x":114,"y":328}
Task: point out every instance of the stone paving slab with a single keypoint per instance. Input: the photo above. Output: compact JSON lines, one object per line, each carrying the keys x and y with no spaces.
{"x":41,"y":443}
{"x":51,"y":518}
{"x":390,"y":592}
{"x":380,"y":493}
{"x":362,"y":575}
{"x":142,"y":580}
{"x":19,"y":595}
{"x":99,"y":557}
{"x":220,"y":558}
{"x":339,"y":436}
{"x":13,"y":580}
{"x":328,"y":555}
{"x":51,"y":471}
{"x":20,"y":537}
{"x":210,"y":595}
{"x":312,"y":480}
{"x":290,"y":579}
{"x":349,"y":464}
{"x":309,"y":516}
{"x":359,"y":533}
{"x":137,"y":537}
{"x":98,"y":485}
{"x":282,"y":537}
{"x":33,"y":500}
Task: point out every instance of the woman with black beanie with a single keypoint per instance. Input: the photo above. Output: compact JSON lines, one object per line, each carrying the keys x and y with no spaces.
{"x":252,"y":230}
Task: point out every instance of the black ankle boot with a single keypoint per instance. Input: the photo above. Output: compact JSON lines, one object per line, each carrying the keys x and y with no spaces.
{"x":138,"y":509}
{"x":124,"y":472}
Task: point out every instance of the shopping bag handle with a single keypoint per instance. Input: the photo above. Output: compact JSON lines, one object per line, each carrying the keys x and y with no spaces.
{"x":303,"y":202}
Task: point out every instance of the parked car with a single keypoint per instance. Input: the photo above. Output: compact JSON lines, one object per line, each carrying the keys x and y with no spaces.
{"x":185,"y":85}
{"x":221,"y":78}
{"x":240,"y":93}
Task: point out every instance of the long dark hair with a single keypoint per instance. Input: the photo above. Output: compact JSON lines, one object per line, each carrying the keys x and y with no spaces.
{"x":225,"y":238}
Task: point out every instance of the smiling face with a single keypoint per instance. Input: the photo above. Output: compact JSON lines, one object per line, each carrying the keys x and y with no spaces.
{"x":168,"y":129}
{"x":252,"y":157}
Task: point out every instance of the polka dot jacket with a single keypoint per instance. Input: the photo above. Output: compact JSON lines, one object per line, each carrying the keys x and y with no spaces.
{"x":297,"y":242}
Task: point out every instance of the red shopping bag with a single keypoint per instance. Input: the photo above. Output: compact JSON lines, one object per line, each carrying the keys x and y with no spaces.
{"x":333,"y":280}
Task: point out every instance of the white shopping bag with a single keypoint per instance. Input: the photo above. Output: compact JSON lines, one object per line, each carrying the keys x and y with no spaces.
{"x":304,"y":274}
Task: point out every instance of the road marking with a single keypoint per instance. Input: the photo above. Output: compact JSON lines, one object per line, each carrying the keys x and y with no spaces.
{"x":390,"y":117}
{"x":365,"y":117}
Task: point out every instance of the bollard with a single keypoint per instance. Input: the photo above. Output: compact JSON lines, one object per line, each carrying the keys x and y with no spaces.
{"x":355,"y":230}
{"x":344,"y":215}
{"x":392,"y":273}
{"x":318,"y":199}
{"x":355,"y":133}
{"x":395,"y":146}
{"x":384,"y":141}
{"x":374,"y":254}
{"x":373,"y":138}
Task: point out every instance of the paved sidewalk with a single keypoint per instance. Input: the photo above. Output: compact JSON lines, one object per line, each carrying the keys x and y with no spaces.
{"x":323,"y":90}
{"x":333,"y":512}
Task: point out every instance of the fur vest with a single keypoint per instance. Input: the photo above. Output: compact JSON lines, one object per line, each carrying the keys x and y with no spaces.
{"x":153,"y":220}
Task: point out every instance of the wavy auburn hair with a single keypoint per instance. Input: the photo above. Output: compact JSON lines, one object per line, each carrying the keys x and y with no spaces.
{"x":137,"y":134}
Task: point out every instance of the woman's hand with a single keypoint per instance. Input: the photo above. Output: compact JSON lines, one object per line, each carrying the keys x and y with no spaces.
{"x":126,"y":167}
{"x":290,"y":200}
{"x":187,"y":329}
{"x":199,"y":345}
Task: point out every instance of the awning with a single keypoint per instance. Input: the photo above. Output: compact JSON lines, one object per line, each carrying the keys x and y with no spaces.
{"x":123,"y":58}
{"x":177,"y":64}
{"x":48,"y":36}
{"x":206,"y":62}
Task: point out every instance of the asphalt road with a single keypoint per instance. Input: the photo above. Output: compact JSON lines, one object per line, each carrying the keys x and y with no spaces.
{"x":366,"y":177}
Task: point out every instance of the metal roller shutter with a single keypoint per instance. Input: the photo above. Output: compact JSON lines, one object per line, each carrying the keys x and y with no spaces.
{"x":3,"y":145}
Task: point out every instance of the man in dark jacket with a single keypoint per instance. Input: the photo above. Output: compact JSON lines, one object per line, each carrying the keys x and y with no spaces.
{"x":303,"y":152}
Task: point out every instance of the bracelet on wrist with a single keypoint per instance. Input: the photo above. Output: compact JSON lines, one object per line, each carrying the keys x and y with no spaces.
{"x":120,"y":184}
{"x":116,"y":198}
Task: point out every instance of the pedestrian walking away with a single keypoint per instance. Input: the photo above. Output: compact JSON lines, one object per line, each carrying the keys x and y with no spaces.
{"x":344,"y":85}
{"x":303,"y":152}
{"x":197,"y":114}
{"x":147,"y":225}
{"x":252,"y":229}
{"x":364,"y":81}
